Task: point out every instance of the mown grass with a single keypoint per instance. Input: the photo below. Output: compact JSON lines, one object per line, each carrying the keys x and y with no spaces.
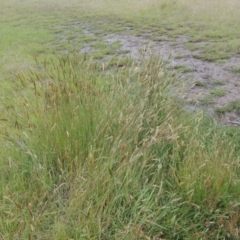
{"x":105,"y":150}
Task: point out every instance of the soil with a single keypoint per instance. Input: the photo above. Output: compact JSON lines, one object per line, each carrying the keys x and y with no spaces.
{"x":200,"y":76}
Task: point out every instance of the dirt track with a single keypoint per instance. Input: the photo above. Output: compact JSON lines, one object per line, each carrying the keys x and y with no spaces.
{"x":204,"y":76}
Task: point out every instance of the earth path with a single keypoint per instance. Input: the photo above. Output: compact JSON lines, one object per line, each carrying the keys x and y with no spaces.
{"x":205,"y":76}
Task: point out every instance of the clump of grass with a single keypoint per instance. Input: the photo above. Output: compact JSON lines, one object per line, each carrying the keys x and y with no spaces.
{"x":99,"y":45}
{"x":213,"y":54}
{"x":207,"y":100}
{"x":219,"y":82}
{"x":116,"y":45}
{"x":191,"y":46}
{"x":114,"y":156}
{"x":200,"y":84}
{"x":179,"y":56}
{"x":218,"y":92}
{"x":119,"y":62}
{"x":236,"y":70}
{"x":183,"y":69}
{"x":232,"y":106}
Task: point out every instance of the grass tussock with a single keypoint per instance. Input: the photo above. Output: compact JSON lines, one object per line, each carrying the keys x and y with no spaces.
{"x":106,"y":152}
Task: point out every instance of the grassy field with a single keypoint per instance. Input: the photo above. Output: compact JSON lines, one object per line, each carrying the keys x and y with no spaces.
{"x":96,"y":147}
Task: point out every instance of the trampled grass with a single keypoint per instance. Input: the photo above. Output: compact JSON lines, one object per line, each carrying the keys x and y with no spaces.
{"x":104,"y":150}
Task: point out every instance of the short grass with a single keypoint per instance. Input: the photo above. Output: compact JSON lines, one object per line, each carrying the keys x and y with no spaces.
{"x":219,"y":82}
{"x":207,"y":100}
{"x":183,"y":69}
{"x":236,"y":70}
{"x":232,"y":106}
{"x":218,"y":92}
{"x":201,"y":83}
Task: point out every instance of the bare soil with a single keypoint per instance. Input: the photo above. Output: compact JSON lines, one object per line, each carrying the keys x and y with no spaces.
{"x":199,"y":75}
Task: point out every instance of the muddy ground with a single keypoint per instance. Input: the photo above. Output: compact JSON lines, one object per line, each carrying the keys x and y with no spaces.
{"x":210,"y":85}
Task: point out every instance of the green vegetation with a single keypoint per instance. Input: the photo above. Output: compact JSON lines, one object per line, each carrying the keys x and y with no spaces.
{"x":218,"y":92}
{"x":97,"y":156}
{"x":183,"y":69}
{"x":236,"y":70}
{"x":100,"y":148}
{"x":207,"y":100}
{"x":200,"y":84}
{"x":219,"y":82}
{"x":232,"y":106}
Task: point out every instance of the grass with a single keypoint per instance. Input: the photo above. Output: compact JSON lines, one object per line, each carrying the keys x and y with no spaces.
{"x":232,"y":106}
{"x":207,"y":100}
{"x":219,"y":82}
{"x":236,"y":70}
{"x":103,"y":149}
{"x":218,"y":92}
{"x":149,"y":156}
{"x":183,"y":69}
{"x":200,"y":84}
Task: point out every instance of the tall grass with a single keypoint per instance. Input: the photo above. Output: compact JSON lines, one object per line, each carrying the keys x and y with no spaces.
{"x":103,"y":152}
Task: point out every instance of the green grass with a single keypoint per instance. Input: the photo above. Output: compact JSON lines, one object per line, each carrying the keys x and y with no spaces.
{"x":219,"y":82}
{"x":207,"y":100}
{"x":218,"y":92}
{"x":113,"y":156}
{"x":236,"y":70}
{"x":183,"y":69}
{"x":200,"y":84}
{"x":103,"y":149}
{"x":232,"y":106}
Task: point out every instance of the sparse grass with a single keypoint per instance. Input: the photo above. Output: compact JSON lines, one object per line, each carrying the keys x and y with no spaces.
{"x":207,"y":100}
{"x":119,"y":62}
{"x":100,"y":54}
{"x":156,"y":38}
{"x":179,"y":56}
{"x":219,"y":82}
{"x":232,"y":106}
{"x":191,"y":46}
{"x":200,"y":84}
{"x":218,"y":92}
{"x":213,"y":54}
{"x":183,"y":69}
{"x":116,"y":45}
{"x":99,"y":45}
{"x":236,"y":70}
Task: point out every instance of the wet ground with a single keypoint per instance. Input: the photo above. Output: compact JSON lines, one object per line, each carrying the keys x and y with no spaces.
{"x":209,"y":85}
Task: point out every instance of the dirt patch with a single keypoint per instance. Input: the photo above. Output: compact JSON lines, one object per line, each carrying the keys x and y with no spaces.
{"x":203,"y":76}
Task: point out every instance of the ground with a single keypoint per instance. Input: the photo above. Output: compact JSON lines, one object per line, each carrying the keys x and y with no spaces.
{"x":209,"y":85}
